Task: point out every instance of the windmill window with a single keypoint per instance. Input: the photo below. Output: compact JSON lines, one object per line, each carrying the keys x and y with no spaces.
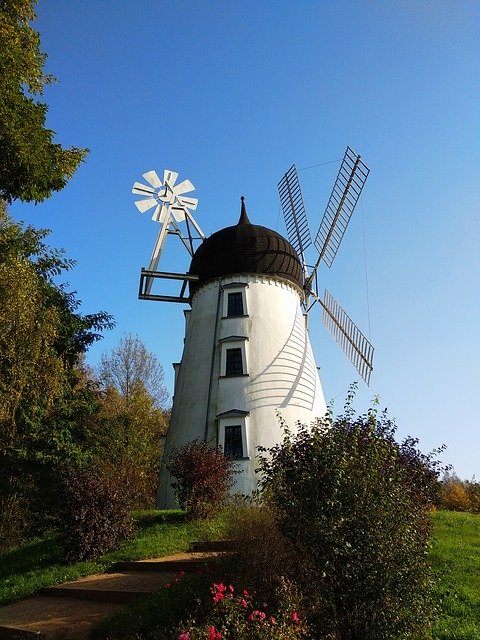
{"x":235,"y":304}
{"x":234,"y":362}
{"x":233,"y":441}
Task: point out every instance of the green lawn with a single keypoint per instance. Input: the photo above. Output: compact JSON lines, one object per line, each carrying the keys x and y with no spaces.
{"x":37,"y":564}
{"x":455,"y":557}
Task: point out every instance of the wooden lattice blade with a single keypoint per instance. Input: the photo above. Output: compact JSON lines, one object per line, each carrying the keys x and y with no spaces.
{"x":356,"y":346}
{"x":346,"y":191}
{"x":293,"y":210}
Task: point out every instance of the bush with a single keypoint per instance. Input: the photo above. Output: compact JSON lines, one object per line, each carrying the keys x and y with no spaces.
{"x":355,"y":505}
{"x":264,"y":557}
{"x":203,"y":477}
{"x":95,"y":514}
{"x":453,"y":495}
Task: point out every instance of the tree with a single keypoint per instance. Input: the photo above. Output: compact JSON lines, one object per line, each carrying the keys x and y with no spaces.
{"x":43,"y":396}
{"x":32,"y":166}
{"x":131,"y":365}
{"x":133,"y":416}
{"x":355,"y":504}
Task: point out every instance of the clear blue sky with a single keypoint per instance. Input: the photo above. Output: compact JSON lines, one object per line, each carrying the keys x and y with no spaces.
{"x":230,"y":94}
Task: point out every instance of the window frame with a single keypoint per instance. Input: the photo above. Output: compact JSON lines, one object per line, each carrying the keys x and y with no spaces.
{"x":234,"y":418}
{"x":234,"y":287}
{"x":227,"y":344}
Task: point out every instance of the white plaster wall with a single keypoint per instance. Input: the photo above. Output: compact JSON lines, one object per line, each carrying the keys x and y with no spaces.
{"x":282,"y":375}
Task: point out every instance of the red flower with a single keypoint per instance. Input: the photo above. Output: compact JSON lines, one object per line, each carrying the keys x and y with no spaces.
{"x":243,"y":602}
{"x":213,"y":634}
{"x":295,"y":617}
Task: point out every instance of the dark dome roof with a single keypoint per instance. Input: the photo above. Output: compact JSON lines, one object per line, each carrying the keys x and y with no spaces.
{"x":245,"y":248}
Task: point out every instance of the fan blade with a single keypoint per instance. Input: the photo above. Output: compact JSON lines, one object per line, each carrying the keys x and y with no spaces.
{"x":346,"y":191}
{"x":293,"y":210}
{"x":178,"y":212}
{"x":156,"y":214}
{"x":152,"y":178}
{"x":190,"y":203}
{"x":183,"y":187}
{"x":358,"y":349}
{"x":145,"y":205}
{"x":140,"y":189}
{"x":170,"y":177}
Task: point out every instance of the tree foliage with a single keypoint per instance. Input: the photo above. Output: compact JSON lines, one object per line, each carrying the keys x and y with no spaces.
{"x":130,"y":367}
{"x":133,"y":416}
{"x":32,"y":165}
{"x":44,"y":398}
{"x":355,"y":503}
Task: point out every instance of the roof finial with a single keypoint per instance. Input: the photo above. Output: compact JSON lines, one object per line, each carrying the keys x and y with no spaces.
{"x":243,"y":214}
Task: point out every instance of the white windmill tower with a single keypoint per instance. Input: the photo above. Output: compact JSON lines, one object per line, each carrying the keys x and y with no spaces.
{"x":247,"y":353}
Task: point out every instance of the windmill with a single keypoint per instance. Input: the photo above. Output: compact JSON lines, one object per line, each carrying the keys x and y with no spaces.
{"x":345,"y":194}
{"x":171,"y":207}
{"x":247,"y":352}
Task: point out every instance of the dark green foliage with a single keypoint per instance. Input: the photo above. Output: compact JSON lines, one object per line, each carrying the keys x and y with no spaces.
{"x":203,"y":477}
{"x":45,"y":397}
{"x":95,"y":513}
{"x":355,"y":504}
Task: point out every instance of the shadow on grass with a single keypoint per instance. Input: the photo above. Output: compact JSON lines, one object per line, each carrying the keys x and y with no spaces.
{"x":36,"y":554}
{"x":146,"y":519}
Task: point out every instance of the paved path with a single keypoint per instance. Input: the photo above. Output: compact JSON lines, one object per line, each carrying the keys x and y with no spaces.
{"x":69,"y":611}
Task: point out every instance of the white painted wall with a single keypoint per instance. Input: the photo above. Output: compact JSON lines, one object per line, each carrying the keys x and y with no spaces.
{"x":281,"y":372}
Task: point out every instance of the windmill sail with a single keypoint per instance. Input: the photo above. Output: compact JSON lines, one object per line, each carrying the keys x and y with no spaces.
{"x":348,"y":335}
{"x":348,"y":186}
{"x":294,"y":212}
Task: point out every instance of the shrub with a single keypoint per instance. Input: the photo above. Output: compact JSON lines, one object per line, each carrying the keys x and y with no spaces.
{"x":203,"y":477}
{"x":95,"y":514}
{"x":263,"y":554}
{"x":355,"y":505}
{"x":454,"y":495}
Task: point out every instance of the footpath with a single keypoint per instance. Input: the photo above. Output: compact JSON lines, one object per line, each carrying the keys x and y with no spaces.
{"x":69,"y":611}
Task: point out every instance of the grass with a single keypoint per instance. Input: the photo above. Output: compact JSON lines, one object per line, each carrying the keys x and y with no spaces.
{"x":38,"y":563}
{"x":455,"y":557}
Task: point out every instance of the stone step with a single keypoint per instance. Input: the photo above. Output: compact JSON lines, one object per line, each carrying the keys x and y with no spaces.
{"x":113,"y":586}
{"x":46,"y":617}
{"x":189,"y":562}
{"x":69,"y":611}
{"x":214,"y":545}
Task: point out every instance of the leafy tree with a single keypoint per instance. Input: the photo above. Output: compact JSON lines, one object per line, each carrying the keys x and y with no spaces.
{"x":128,"y":438}
{"x":355,"y":503}
{"x":43,"y":394}
{"x":132,"y":417}
{"x":32,"y":165}
{"x":130,"y":366}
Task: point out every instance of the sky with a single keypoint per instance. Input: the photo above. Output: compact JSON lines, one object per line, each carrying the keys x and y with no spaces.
{"x":230,"y":94}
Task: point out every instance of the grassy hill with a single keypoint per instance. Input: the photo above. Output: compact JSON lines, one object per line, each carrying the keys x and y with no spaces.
{"x":455,"y":558}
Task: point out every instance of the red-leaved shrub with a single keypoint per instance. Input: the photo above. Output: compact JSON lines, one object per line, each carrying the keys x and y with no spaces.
{"x":203,"y":477}
{"x":95,"y":514}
